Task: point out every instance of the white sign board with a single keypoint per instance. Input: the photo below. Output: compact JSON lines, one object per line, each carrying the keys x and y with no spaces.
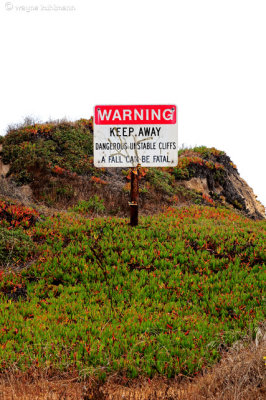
{"x":125,"y":136}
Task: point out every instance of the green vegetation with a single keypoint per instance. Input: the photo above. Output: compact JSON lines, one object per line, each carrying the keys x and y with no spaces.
{"x":56,"y":148}
{"x":16,"y":245}
{"x":94,"y":204}
{"x":205,"y":152}
{"x":159,"y":298}
{"x":199,"y":159}
{"x":161,"y":180}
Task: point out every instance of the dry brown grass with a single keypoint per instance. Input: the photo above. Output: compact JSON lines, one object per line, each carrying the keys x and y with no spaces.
{"x":10,"y":191}
{"x":240,"y":375}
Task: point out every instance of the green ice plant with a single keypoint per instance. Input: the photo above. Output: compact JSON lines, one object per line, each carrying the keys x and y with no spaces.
{"x":101,"y":297}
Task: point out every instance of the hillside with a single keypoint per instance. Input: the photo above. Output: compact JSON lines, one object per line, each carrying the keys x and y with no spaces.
{"x":88,"y":299}
{"x":53,"y":164}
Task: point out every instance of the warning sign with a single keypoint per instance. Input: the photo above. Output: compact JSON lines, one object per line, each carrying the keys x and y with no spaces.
{"x":125,"y":136}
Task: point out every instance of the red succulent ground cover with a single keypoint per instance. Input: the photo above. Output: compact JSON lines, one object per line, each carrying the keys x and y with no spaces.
{"x":14,"y":215}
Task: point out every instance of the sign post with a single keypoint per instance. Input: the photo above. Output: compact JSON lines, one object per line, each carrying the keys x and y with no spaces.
{"x":134,"y":196}
{"x":133,"y":136}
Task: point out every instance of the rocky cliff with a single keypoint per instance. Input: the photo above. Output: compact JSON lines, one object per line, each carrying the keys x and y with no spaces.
{"x":228,"y":187}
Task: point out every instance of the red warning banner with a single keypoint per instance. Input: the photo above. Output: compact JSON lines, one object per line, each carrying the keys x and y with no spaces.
{"x":135,"y":115}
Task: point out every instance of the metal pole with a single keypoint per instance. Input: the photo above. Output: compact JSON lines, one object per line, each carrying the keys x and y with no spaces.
{"x":134,"y":197}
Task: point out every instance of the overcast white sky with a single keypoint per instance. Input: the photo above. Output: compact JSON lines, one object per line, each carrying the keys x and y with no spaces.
{"x":206,"y":56}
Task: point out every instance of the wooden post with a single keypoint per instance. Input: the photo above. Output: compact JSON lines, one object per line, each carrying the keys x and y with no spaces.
{"x":134,"y":197}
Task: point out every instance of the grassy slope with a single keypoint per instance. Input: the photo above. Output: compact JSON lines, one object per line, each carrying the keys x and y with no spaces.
{"x":164,"y":297}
